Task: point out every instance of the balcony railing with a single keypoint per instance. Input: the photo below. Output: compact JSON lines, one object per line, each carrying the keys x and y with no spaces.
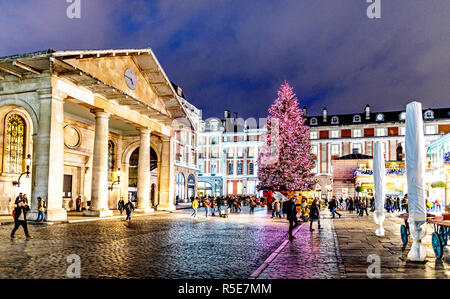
{"x":368,"y":171}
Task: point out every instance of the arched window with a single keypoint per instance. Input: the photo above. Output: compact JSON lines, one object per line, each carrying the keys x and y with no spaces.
{"x":357,"y":118}
{"x":380,"y":117}
{"x":313,"y":121}
{"x":181,"y":182}
{"x":334,"y":120}
{"x":15,"y":144}
{"x":111,"y":160}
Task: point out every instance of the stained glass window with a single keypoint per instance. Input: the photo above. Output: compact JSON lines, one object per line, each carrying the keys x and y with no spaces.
{"x":15,"y":144}
{"x":111,"y":160}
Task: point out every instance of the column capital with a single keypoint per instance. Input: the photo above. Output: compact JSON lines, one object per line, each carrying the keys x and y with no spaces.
{"x":165,"y":138}
{"x":58,"y":95}
{"x":100,"y":113}
{"x":144,"y":130}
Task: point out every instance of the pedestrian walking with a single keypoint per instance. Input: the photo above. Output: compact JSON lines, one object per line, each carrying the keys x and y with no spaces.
{"x":195,"y":207}
{"x":213,"y":206}
{"x":276,"y":206}
{"x":207,"y":205}
{"x":129,"y":207}
{"x":290,"y":209}
{"x":78,"y":203}
{"x":333,"y":206}
{"x":314,"y":215}
{"x":41,"y":209}
{"x":21,"y":209}
{"x":121,"y":205}
{"x":252,"y":206}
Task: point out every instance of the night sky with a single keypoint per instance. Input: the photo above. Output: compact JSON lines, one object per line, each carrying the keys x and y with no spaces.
{"x":235,"y":54}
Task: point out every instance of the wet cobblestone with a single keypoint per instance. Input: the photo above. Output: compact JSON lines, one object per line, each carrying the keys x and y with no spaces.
{"x":161,"y":246}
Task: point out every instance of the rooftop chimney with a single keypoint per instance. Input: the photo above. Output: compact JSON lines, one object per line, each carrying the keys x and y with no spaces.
{"x":367,"y":109}
{"x":179,"y":91}
{"x":324,"y":112}
{"x":227,"y":114}
{"x":304,"y":110}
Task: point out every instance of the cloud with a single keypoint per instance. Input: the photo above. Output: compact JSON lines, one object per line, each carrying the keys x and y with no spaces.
{"x":235,"y":54}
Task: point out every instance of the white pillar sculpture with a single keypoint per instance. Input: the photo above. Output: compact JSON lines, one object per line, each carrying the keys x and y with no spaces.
{"x":415,"y":173}
{"x":143,"y":184}
{"x":379,"y":180}
{"x":48,"y":156}
{"x":99,"y":195}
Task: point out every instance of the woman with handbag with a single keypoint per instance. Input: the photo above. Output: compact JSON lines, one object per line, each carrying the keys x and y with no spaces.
{"x":21,"y":209}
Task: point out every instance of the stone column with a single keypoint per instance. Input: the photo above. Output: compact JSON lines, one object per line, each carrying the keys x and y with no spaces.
{"x":48,"y":156}
{"x":143,"y":184}
{"x":99,"y":195}
{"x":167,"y":181}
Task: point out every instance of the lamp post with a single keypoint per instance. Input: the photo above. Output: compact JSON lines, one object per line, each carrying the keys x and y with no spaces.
{"x":116,"y":181}
{"x":27,"y":172}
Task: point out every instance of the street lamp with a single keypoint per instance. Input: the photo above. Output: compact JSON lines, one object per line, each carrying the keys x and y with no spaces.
{"x":27,"y":172}
{"x":116,"y":181}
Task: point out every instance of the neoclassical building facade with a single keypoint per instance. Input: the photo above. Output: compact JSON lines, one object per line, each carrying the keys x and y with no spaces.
{"x":97,"y":124}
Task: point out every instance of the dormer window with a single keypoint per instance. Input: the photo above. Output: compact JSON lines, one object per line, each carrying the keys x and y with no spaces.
{"x":313,"y":121}
{"x":429,"y":114}
{"x":402,"y":116}
{"x":380,"y":117}
{"x":334,"y":120}
{"x":357,"y":118}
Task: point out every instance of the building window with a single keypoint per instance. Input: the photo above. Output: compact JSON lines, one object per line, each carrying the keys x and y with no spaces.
{"x":357,"y":132}
{"x":335,"y":149}
{"x":213,"y":168}
{"x":111,"y":160}
{"x":314,"y":149}
{"x":402,"y":116}
{"x":429,"y":130}
{"x":334,"y":120}
{"x":240,"y":152}
{"x":358,"y":147}
{"x":334,"y":134}
{"x":380,"y":117}
{"x":402,"y":131}
{"x":313,"y":121}
{"x":251,"y":169}
{"x":381,"y":132}
{"x":230,"y":168}
{"x":15,"y":144}
{"x":429,"y":114}
{"x":239,"y":168}
{"x":251,"y":152}
{"x":180,"y":186}
{"x":313,"y":135}
{"x":357,"y":118}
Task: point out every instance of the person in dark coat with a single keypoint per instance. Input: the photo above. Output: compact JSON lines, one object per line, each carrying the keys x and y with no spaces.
{"x":290,"y":208}
{"x":314,"y":214}
{"x":129,"y":207}
{"x":21,"y":209}
{"x":121,"y":205}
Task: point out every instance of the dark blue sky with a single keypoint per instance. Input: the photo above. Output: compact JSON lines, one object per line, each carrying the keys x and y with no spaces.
{"x":235,"y":54}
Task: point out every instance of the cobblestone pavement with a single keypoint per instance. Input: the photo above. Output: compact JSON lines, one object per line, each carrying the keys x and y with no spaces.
{"x":357,"y":240}
{"x":161,"y":246}
{"x":310,"y":255}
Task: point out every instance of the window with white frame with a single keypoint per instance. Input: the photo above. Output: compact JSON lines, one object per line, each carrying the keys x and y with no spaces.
{"x":401,"y":131}
{"x":334,"y":120}
{"x":313,"y":121}
{"x":357,"y":133}
{"x":213,"y":168}
{"x":334,"y":134}
{"x":402,"y":116}
{"x":381,"y":132}
{"x":430,"y":129}
{"x":313,"y":134}
{"x":357,"y":118}
{"x":335,"y":149}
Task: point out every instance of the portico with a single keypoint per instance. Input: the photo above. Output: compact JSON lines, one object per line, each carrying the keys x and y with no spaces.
{"x":85,"y":113}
